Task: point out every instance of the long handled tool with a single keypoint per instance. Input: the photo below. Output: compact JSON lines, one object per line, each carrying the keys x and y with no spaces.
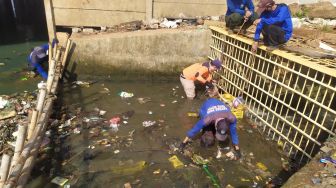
{"x":204,"y":163}
{"x":241,"y":27}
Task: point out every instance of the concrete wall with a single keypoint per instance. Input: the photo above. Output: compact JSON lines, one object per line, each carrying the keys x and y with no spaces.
{"x":156,"y":50}
{"x":98,"y":12}
{"x":190,"y":8}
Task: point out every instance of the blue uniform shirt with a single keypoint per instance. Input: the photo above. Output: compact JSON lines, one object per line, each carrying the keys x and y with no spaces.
{"x":211,"y":110}
{"x":280,"y":16}
{"x":35,"y":62}
{"x":238,"y":6}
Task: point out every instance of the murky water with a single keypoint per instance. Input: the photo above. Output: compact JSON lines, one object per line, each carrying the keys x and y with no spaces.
{"x":115,"y":165}
{"x":12,"y":77}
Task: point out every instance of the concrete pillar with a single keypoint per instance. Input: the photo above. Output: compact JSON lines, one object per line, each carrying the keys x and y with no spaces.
{"x":49,"y":12}
{"x":149,"y":9}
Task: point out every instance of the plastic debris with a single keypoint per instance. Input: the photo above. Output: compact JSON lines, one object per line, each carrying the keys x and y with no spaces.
{"x":148,"y":123}
{"x":261,"y":166}
{"x":81,"y":83}
{"x":150,"y":112}
{"x":143,"y":100}
{"x":125,"y":122}
{"x":158,"y":171}
{"x":162,"y":105}
{"x":102,"y":112}
{"x":127,"y":185}
{"x":125,"y":94}
{"x":3,"y":103}
{"x":169,"y":24}
{"x":114,"y":127}
{"x":326,"y":47}
{"x":127,"y":169}
{"x":192,"y":114}
{"x":316,"y":180}
{"x":244,"y":180}
{"x":115,"y":120}
{"x":116,"y":151}
{"x":174,"y":101}
{"x":59,"y":181}
{"x":175,"y":162}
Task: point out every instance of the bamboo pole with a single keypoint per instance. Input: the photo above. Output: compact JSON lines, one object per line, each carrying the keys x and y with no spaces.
{"x":34,"y":142}
{"x":65,"y":57}
{"x":32,"y":124}
{"x":51,"y":75}
{"x":26,"y":171}
{"x":42,"y":93}
{"x":4,"y":169}
{"x":50,"y":52}
{"x":19,"y":143}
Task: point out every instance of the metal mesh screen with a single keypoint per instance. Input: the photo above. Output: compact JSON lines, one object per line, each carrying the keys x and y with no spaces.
{"x":291,"y":98}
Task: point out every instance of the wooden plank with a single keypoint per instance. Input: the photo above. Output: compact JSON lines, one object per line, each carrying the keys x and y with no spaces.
{"x":120,"y":5}
{"x":76,"y":17}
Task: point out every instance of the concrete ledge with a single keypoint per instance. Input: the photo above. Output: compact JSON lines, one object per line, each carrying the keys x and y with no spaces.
{"x":161,"y":50}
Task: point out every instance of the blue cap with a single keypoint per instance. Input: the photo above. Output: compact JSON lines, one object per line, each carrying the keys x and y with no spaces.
{"x":217,"y":63}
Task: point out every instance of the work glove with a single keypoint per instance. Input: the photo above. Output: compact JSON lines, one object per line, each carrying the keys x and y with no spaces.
{"x":54,"y":41}
{"x":182,"y":146}
{"x":237,"y":154}
{"x":209,"y":85}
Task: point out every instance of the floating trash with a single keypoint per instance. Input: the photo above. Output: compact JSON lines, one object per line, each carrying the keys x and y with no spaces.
{"x":59,"y":181}
{"x":143,"y":100}
{"x":175,"y":162}
{"x":125,"y":94}
{"x":261,"y":166}
{"x":192,"y":114}
{"x":148,"y":123}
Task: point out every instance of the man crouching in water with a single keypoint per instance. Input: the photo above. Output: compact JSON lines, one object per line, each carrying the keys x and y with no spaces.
{"x":216,"y":122}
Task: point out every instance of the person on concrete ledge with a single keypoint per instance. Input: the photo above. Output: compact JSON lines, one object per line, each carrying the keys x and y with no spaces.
{"x":216,"y":122}
{"x":200,"y":72}
{"x":275,"y":24}
{"x":38,"y":58}
{"x":240,"y":13}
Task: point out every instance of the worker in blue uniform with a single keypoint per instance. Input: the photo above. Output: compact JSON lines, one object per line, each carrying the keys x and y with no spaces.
{"x":39,"y":56}
{"x":216,"y":122}
{"x":240,"y":13}
{"x":275,"y":24}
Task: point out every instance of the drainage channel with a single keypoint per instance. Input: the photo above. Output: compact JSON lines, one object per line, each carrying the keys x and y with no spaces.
{"x":87,"y":152}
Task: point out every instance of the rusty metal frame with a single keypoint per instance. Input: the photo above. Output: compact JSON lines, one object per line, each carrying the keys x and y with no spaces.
{"x":291,"y":98}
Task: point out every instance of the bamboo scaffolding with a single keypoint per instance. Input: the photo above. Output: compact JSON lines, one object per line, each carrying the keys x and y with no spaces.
{"x":19,"y":143}
{"x":32,"y":124}
{"x":65,"y":57}
{"x":4,"y":169}
{"x":25,"y":157}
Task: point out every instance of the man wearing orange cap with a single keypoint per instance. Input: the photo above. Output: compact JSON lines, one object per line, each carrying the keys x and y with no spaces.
{"x":275,"y":23}
{"x":200,"y":72}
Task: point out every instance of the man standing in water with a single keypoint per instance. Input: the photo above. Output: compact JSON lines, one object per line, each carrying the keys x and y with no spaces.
{"x":198,"y":72}
{"x":216,"y":122}
{"x":38,"y":57}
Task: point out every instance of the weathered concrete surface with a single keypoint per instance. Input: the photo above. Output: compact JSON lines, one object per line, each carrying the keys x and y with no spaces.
{"x":316,"y":170}
{"x":155,"y":50}
{"x":98,"y":13}
{"x":113,"y":12}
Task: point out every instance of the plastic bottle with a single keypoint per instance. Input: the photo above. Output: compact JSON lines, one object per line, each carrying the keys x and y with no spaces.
{"x":125,"y":94}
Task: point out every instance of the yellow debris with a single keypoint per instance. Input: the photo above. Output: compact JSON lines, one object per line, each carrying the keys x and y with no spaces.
{"x":175,"y":162}
{"x":261,"y":166}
